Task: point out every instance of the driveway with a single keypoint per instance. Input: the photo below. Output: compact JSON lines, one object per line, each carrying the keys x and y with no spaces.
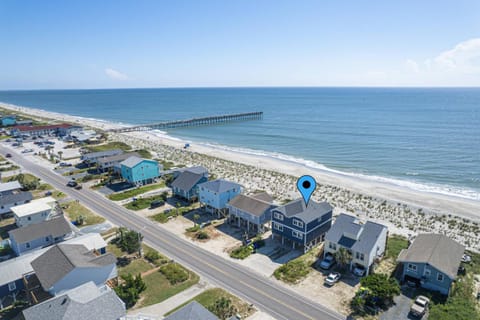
{"x":97,"y":228}
{"x":401,"y":309}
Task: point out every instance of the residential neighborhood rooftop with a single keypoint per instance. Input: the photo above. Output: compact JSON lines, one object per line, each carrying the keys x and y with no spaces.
{"x":54,"y":227}
{"x":118,"y":157}
{"x":297,"y":208}
{"x":192,"y":311}
{"x":253,"y":204}
{"x":219,"y":185}
{"x":85,"y":302}
{"x":350,"y":233}
{"x":437,"y":250}
{"x":132,"y":161}
{"x":9,"y":186}
{"x":18,"y":197}
{"x":186,"y":180}
{"x":61,"y":259}
{"x":101,"y":154}
{"x":31,"y":208}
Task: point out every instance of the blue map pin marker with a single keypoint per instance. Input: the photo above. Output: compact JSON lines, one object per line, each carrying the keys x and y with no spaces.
{"x":306,"y":185}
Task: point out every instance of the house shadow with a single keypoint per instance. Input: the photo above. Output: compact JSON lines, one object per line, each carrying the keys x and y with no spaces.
{"x":119,"y":186}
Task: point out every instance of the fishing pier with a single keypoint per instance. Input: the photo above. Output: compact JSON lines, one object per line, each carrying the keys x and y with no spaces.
{"x":194,"y":122}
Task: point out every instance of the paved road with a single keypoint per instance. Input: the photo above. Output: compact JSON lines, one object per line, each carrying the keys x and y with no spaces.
{"x":282,"y":303}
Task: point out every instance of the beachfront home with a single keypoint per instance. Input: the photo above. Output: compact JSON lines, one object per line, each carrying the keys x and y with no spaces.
{"x":214,"y":195}
{"x":66,"y":266}
{"x":8,"y":201}
{"x":68,"y":130}
{"x":251,"y":211}
{"x":85,"y":302}
{"x":24,"y":123}
{"x":366,"y":242}
{"x":9,"y":120}
{"x":108,"y":163}
{"x":186,"y":185}
{"x":40,"y":235}
{"x":13,"y":271}
{"x":301,"y":226}
{"x":35,"y":211}
{"x":196,"y":169}
{"x":138,"y":171}
{"x":431,"y":261}
{"x":93,"y":157}
{"x":52,"y":129}
{"x":192,"y":311}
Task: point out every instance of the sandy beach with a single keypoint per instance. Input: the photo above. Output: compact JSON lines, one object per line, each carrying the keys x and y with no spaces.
{"x":405,"y":211}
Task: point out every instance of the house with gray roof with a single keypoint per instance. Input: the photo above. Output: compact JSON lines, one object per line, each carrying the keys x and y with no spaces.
{"x":35,"y":211}
{"x":66,"y":266}
{"x":139,"y":171}
{"x":13,"y":271}
{"x":186,"y":185}
{"x":431,"y":261}
{"x":9,"y":200}
{"x":10,"y":187}
{"x":40,"y":235}
{"x":93,"y":157}
{"x":214,"y":195}
{"x":301,"y":226}
{"x":85,"y":302}
{"x":195,"y":169}
{"x":192,"y":311}
{"x":108,"y":163}
{"x":251,"y":211}
{"x":366,"y":242}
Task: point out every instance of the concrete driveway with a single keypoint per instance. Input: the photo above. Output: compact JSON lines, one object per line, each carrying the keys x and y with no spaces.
{"x":401,"y":309}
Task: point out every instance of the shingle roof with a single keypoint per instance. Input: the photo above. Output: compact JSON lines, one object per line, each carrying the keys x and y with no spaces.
{"x":437,"y":250}
{"x":350,"y":233}
{"x":186,"y":180}
{"x":13,"y":269}
{"x":9,"y":186}
{"x":118,"y":157}
{"x":297,"y":208}
{"x":85,"y":302}
{"x":101,"y":154}
{"x":55,"y":227}
{"x":18,"y":197}
{"x":219,"y":185}
{"x":133,"y":161}
{"x":251,"y":204}
{"x":197,"y":169}
{"x":47,"y":127}
{"x":192,"y":311}
{"x":61,"y":259}
{"x":31,"y":208}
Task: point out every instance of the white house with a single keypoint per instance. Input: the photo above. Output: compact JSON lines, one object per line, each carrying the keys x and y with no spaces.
{"x":33,"y":212}
{"x":365,"y":241}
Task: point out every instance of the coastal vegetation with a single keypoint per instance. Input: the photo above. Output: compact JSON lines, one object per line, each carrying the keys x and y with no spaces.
{"x":297,"y":269}
{"x":376,"y":292}
{"x":143,"y":203}
{"x":135,"y":192}
{"x":80,"y":214}
{"x":109,"y":146}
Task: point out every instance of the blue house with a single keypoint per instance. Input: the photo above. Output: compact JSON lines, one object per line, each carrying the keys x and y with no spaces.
{"x":431,"y":261}
{"x":251,"y":211}
{"x":139,"y":171}
{"x":215,"y":195}
{"x":186,"y":185}
{"x":39,"y":235}
{"x":301,"y":226}
{"x":9,"y":120}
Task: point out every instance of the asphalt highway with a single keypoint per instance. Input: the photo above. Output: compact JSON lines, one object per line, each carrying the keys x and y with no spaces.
{"x":262,"y":292}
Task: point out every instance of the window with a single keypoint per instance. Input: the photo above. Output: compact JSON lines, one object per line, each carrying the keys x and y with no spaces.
{"x":297,"y":234}
{"x":427,"y":272}
{"x":412,"y":267}
{"x":440,"y":277}
{"x":47,"y":239}
{"x":359,"y":256}
{"x":362,"y":256}
{"x":278,"y":216}
{"x":12,"y":286}
{"x":277,"y":226}
{"x":332,"y":246}
{"x":27,"y":245}
{"x":298,"y":223}
{"x":29,"y":218}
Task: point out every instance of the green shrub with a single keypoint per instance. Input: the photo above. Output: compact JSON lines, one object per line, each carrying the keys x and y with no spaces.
{"x":130,"y":290}
{"x":241,"y":252}
{"x":174,"y":273}
{"x":292,"y":271}
{"x":152,"y":256}
{"x":202,"y":235}
{"x":193,"y":229}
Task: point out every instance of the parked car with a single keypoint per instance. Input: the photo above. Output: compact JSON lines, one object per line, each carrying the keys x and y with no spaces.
{"x":332,"y":278}
{"x":466,"y":258}
{"x":420,"y":306}
{"x":156,"y":204}
{"x":27,"y":150}
{"x":327,"y":262}
{"x":72,"y":183}
{"x":359,"y":271}
{"x":65,"y":164}
{"x":78,"y":186}
{"x":8,"y":155}
{"x":48,"y":193}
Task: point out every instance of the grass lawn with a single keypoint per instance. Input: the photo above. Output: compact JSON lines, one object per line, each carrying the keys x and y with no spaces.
{"x":135,"y":192}
{"x":208,"y":298}
{"x":297,"y":269}
{"x":143,"y":203}
{"x":160,"y":289}
{"x":395,"y":244}
{"x":144,"y":153}
{"x":135,"y":267}
{"x":163,"y":217}
{"x":5,"y":226}
{"x":109,"y":146}
{"x":115,"y":250}
{"x":27,"y":178}
{"x":74,"y":210}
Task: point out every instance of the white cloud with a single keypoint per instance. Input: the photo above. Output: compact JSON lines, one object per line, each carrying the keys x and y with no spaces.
{"x":116,"y":75}
{"x":464,"y":57}
{"x":412,"y":65}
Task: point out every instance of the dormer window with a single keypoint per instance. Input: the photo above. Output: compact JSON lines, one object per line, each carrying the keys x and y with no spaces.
{"x":297,"y":223}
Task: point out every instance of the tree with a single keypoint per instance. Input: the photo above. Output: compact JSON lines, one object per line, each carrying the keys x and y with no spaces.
{"x":129,"y":240}
{"x":27,"y":184}
{"x":380,"y":289}
{"x":343,"y":257}
{"x":60,"y":153}
{"x":223,"y":308}
{"x":129,"y":291}
{"x":195,"y":219}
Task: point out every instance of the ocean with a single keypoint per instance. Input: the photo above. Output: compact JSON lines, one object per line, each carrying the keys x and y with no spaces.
{"x":423,"y":138}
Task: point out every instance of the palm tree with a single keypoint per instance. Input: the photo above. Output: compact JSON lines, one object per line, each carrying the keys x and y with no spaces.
{"x":343,"y":257}
{"x":60,"y":153}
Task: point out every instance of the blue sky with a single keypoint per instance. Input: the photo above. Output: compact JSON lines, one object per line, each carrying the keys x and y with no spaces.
{"x":119,"y":44}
